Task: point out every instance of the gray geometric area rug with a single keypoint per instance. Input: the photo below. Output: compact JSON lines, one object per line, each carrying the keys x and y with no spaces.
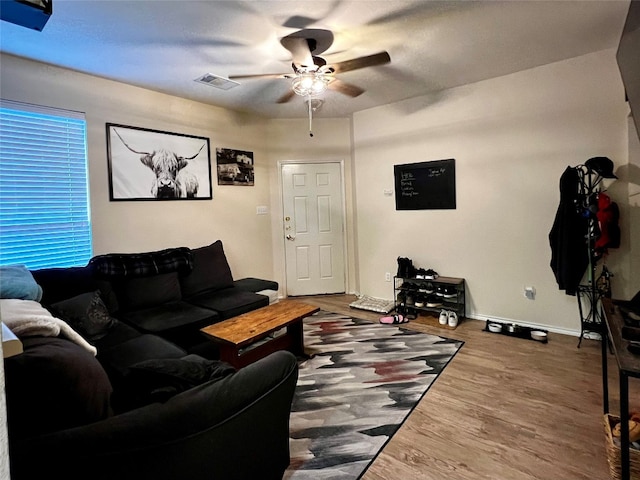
{"x":353,"y":394}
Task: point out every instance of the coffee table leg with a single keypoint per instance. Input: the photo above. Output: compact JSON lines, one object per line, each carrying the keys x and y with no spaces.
{"x":229,"y":354}
{"x":295,"y":332}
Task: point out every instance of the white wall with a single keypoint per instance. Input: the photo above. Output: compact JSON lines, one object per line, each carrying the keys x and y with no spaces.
{"x":144,"y":226}
{"x":512,"y":137}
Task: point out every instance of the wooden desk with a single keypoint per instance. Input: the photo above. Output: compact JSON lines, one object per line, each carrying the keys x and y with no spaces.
{"x":628,"y":366}
{"x":240,"y":336}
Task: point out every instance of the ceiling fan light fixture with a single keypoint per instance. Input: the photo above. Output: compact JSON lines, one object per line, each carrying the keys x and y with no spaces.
{"x":309,"y":84}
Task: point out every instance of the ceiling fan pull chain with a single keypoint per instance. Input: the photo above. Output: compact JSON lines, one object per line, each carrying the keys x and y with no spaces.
{"x":310,"y":116}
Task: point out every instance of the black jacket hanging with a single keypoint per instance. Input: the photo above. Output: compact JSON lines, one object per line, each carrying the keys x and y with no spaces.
{"x":569,"y":256}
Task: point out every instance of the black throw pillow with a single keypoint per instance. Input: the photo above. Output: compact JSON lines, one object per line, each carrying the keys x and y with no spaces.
{"x":158,"y":380}
{"x":85,"y":313}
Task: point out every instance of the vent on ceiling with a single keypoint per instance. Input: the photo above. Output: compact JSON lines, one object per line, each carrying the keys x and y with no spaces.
{"x":216,"y":81}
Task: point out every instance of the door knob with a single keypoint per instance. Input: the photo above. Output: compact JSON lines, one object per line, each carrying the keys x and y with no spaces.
{"x":290,"y":237}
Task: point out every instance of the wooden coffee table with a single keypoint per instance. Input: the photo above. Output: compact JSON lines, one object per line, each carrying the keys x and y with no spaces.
{"x":240,"y":337}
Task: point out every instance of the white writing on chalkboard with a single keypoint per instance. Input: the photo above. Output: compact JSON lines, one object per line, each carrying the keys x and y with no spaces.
{"x":436,"y":172}
{"x":407,"y":187}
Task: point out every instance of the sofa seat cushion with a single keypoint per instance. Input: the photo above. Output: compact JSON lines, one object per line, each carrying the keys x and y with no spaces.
{"x":255,"y":285}
{"x":170,"y":318}
{"x":118,"y":333}
{"x":210,"y":270}
{"x":119,"y":358}
{"x":230,"y":302}
{"x":54,"y":384}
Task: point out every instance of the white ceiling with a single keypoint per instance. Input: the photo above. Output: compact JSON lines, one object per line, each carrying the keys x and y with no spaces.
{"x":434,"y":45}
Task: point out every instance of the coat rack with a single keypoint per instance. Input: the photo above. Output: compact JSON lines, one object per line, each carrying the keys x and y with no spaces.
{"x":591,"y":175}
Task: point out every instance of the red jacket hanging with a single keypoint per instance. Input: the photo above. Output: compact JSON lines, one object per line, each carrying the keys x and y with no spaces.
{"x":608,"y":215}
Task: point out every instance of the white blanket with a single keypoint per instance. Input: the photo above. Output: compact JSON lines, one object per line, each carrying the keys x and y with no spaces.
{"x":27,"y":318}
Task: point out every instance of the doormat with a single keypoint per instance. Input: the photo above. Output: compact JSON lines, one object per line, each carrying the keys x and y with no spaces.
{"x":361,"y":383}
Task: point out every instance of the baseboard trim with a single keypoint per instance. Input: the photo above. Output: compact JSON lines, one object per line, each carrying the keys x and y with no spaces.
{"x":549,"y":328}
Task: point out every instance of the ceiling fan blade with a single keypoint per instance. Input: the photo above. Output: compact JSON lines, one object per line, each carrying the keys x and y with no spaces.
{"x":345,"y":88}
{"x":286,"y":97}
{"x":299,"y":48}
{"x":299,"y":21}
{"x":260,"y":75}
{"x":361,"y":62}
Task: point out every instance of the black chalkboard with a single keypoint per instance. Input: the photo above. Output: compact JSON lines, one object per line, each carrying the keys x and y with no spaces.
{"x":426,"y":185}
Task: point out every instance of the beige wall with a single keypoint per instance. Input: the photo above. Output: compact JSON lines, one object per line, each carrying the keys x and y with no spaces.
{"x":144,"y":226}
{"x":512,"y":137}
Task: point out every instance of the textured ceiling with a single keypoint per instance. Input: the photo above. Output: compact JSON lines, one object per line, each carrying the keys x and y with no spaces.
{"x":434,"y":45}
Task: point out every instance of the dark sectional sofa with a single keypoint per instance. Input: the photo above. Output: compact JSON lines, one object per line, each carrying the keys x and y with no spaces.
{"x":154,"y":402}
{"x":172,"y":293}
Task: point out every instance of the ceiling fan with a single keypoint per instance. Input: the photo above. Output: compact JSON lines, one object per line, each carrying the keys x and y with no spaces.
{"x":312,"y":74}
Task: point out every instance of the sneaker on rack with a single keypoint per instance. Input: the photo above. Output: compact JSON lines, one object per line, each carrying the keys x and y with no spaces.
{"x":420,"y":273}
{"x":450,"y":292}
{"x":433,"y":301}
{"x":452,"y":319}
{"x":444,"y":317}
{"x":419,"y":300}
{"x":440,"y":291}
{"x":431,"y":274}
{"x":428,"y":288}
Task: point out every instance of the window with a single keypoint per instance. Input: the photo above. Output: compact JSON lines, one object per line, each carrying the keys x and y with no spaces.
{"x":44,"y":197}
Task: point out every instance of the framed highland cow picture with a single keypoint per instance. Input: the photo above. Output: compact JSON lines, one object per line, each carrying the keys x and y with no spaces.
{"x":147,"y":164}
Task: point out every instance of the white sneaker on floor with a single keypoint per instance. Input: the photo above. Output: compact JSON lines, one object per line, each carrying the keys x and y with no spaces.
{"x":452,"y":319}
{"x":443,"y":317}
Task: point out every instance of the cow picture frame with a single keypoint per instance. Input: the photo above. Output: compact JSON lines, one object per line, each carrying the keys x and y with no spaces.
{"x":155,"y":165}
{"x":235,"y":167}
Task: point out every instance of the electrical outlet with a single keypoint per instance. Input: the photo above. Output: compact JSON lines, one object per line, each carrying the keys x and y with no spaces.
{"x":530,"y":293}
{"x":387,"y":277}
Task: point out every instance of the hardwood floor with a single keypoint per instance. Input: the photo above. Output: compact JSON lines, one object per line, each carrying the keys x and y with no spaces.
{"x":504,"y":408}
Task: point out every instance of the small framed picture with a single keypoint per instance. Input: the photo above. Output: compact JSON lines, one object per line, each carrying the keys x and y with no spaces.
{"x":147,"y":164}
{"x":235,"y":167}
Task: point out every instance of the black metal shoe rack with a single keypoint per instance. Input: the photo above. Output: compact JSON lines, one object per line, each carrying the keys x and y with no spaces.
{"x":408,"y":290}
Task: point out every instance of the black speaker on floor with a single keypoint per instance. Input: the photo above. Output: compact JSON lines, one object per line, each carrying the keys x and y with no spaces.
{"x":32,"y":14}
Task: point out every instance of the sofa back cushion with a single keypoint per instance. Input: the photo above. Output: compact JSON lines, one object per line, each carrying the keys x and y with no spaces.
{"x":210,"y":271}
{"x":62,"y":283}
{"x":143,"y":292}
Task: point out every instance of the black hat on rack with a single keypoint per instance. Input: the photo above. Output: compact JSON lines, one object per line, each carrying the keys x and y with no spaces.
{"x":603,"y":166}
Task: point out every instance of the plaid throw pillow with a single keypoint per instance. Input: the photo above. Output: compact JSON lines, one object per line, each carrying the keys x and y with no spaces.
{"x":131,"y":265}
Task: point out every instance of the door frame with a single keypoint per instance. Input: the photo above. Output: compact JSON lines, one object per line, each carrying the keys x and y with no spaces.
{"x":282,"y":244}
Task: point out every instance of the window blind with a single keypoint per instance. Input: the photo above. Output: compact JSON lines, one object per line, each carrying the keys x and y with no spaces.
{"x":44,"y":198}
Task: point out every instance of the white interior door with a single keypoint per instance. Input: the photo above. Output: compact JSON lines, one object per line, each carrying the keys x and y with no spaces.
{"x":313,"y":228}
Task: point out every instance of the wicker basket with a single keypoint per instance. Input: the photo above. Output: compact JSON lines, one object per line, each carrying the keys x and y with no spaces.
{"x":613,"y":452}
